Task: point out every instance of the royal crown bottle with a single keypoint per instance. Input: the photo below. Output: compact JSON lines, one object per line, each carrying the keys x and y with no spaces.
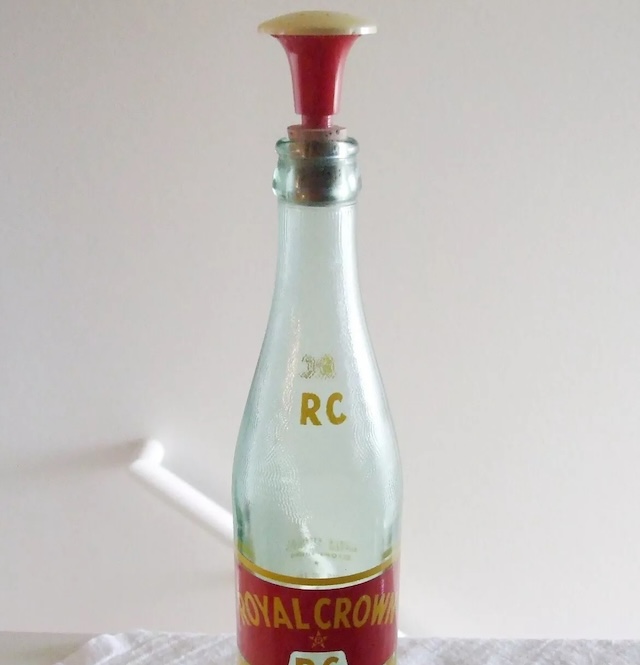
{"x":316,"y":481}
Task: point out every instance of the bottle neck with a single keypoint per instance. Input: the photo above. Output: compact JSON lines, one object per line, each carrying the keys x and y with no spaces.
{"x":317,"y":182}
{"x":317,"y":268}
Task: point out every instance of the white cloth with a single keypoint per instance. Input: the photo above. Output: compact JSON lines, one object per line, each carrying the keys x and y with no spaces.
{"x":146,"y":648}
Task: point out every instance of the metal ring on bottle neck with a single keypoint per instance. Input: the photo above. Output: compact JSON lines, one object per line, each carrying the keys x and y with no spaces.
{"x":317,"y":173}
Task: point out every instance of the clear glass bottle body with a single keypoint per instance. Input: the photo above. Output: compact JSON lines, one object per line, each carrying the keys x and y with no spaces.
{"x":316,"y":480}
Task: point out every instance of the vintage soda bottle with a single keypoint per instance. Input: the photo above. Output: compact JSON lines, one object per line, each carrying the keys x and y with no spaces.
{"x":316,"y":477}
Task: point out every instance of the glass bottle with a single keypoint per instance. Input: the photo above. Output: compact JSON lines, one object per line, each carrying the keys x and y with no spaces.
{"x":316,"y":479}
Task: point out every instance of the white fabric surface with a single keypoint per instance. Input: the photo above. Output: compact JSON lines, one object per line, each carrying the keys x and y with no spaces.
{"x":147,"y":648}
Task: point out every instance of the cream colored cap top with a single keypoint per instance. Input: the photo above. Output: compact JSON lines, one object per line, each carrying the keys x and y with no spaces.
{"x":317,"y":23}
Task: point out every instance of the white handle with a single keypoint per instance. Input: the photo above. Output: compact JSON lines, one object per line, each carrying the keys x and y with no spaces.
{"x":147,"y":467}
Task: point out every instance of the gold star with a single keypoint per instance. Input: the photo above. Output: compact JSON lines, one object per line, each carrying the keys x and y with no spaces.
{"x":318,"y":640}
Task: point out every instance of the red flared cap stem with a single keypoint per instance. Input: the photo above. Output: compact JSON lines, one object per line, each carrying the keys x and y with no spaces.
{"x":317,"y":44}
{"x":317,"y":63}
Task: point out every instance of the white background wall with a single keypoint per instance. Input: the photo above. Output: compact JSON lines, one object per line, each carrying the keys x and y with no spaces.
{"x":499,"y":242}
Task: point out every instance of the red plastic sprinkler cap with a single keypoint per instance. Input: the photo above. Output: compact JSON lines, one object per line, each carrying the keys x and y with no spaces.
{"x":317,"y":44}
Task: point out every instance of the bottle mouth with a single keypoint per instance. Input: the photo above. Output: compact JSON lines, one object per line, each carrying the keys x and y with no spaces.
{"x":309,"y":148}
{"x":317,"y":173}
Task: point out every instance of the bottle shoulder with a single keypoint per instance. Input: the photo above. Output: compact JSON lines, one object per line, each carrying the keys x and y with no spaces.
{"x":316,"y":459}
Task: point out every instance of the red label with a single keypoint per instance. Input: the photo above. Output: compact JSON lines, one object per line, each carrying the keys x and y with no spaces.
{"x":282,"y":622}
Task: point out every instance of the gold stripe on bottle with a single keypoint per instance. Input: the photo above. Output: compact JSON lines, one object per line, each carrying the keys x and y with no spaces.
{"x":314,"y":581}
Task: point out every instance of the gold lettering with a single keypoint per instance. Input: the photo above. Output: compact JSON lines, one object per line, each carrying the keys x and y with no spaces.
{"x":380,"y":605}
{"x":311,"y":367}
{"x":243,"y":616}
{"x":365,"y":601}
{"x":343,"y":605}
{"x":297,"y":614}
{"x":317,"y":613}
{"x":391,"y":611}
{"x":304,"y":661}
{"x":333,"y":418}
{"x":251,"y":609}
{"x":280,"y":617}
{"x":264,"y":608}
{"x":308,"y":409}
{"x":331,"y":660}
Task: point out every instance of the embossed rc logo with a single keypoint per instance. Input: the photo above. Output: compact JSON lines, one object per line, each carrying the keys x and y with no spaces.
{"x":318,"y":658}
